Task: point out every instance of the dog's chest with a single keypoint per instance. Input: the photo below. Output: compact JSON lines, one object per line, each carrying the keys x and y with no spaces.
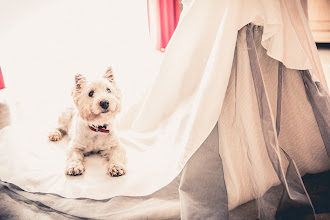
{"x":91,"y":141}
{"x":95,"y":141}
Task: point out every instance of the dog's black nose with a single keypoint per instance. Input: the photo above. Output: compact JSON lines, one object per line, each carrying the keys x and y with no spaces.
{"x":104,"y":104}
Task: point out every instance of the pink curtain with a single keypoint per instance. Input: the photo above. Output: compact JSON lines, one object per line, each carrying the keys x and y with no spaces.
{"x":163,"y":16}
{"x":2,"y":82}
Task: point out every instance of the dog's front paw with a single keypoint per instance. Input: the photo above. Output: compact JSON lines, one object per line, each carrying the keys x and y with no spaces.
{"x":55,"y":136}
{"x":116,"y":170}
{"x":75,"y":169}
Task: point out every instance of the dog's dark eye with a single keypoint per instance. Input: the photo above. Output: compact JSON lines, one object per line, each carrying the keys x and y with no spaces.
{"x":108,"y":90}
{"x":91,"y":93}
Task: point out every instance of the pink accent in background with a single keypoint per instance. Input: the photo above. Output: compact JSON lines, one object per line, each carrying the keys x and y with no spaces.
{"x":163,"y":16}
{"x":2,"y":82}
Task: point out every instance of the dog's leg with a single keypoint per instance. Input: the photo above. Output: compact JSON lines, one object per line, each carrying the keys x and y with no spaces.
{"x":64,"y":123}
{"x":74,"y":165}
{"x":117,"y":161}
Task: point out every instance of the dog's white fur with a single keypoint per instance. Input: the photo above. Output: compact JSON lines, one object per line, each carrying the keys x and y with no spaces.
{"x":87,"y":111}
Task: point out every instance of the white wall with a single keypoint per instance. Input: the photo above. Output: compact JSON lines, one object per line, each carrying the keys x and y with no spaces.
{"x":43,"y":43}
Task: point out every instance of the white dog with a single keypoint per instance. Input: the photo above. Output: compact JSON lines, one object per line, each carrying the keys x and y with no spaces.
{"x":90,"y":124}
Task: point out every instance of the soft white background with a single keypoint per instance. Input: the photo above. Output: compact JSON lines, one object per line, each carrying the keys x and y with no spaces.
{"x":44,"y":43}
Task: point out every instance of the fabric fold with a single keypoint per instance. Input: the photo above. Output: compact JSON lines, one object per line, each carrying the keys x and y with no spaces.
{"x":294,"y":188}
{"x":320,"y":102}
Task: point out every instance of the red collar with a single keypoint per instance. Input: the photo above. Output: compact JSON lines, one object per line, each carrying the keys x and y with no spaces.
{"x":99,"y":128}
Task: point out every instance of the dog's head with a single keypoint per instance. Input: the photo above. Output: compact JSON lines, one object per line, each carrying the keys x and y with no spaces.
{"x":99,"y":101}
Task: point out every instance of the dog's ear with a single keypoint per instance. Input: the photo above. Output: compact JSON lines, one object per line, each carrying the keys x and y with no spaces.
{"x":80,"y":80}
{"x":109,"y":74}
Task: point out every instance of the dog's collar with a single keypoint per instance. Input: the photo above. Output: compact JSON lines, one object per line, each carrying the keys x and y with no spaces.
{"x":100,"y":128}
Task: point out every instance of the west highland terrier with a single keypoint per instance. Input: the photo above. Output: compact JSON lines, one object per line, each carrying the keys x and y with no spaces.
{"x":90,"y":124}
